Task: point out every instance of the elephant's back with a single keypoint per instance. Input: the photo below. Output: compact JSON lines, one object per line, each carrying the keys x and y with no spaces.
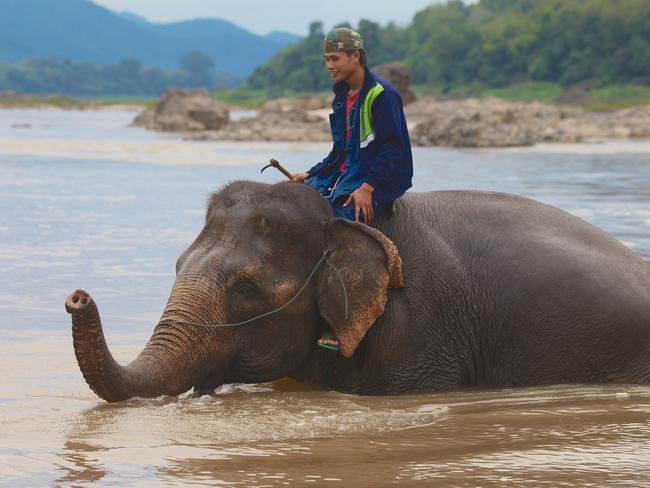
{"x":518,"y":224}
{"x":502,"y":241}
{"x":540,"y":283}
{"x":502,"y":225}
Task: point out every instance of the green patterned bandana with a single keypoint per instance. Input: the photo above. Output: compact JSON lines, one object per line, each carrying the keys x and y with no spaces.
{"x":342,"y":39}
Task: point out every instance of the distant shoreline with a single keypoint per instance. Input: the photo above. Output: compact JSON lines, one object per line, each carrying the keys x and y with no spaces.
{"x":603,"y":99}
{"x":12,"y":100}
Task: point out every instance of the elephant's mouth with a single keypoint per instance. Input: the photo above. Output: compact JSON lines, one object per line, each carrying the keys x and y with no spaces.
{"x":209,"y":381}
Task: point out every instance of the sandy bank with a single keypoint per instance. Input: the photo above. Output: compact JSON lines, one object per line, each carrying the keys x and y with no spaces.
{"x":180,"y":152}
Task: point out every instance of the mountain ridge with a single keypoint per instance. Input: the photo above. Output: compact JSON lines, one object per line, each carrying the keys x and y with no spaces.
{"x":83,"y":32}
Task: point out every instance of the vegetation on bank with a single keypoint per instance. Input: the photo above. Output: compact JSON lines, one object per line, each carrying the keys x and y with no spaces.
{"x":15,"y":100}
{"x":613,"y":97}
{"x":255,"y":98}
{"x":492,"y":43}
{"x":244,"y":97}
{"x":590,"y":97}
{"x":601,"y":98}
{"x":128,"y":78}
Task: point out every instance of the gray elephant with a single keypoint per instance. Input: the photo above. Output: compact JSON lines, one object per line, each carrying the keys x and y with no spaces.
{"x":452,"y":289}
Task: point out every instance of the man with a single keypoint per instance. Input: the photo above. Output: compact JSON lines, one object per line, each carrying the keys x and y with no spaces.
{"x":370,"y":164}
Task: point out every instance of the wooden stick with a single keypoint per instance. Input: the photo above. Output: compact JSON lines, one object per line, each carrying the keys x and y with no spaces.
{"x":276,"y":164}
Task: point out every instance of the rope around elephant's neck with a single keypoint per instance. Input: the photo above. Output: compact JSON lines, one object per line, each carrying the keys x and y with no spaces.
{"x":322,"y":260}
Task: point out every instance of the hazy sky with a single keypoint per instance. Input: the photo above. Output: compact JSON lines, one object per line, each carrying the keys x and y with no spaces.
{"x":263,"y":16}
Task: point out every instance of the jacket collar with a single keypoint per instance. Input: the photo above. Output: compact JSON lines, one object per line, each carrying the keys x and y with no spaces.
{"x":340,"y":88}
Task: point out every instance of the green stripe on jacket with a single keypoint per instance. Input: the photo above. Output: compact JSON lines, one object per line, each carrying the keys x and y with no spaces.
{"x":365,"y":118}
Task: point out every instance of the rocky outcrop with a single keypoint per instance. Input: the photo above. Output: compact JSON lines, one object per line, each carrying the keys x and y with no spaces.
{"x":182,"y":110}
{"x":493,"y":122}
{"x":628,"y":123}
{"x":399,"y":76}
{"x":274,"y":125}
{"x":488,"y":122}
{"x":298,"y":103}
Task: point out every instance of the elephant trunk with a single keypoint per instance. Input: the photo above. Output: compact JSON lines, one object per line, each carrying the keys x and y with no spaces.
{"x":168,"y":365}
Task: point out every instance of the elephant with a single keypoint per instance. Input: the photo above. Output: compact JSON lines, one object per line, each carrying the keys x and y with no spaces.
{"x":447,"y":290}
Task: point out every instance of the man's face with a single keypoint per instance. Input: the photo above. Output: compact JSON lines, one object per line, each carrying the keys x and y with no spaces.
{"x":341,"y":64}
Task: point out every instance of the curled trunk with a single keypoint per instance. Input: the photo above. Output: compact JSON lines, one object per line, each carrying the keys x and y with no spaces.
{"x":168,"y":365}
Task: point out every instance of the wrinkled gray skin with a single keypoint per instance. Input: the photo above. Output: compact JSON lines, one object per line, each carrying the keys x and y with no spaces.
{"x":455,"y":289}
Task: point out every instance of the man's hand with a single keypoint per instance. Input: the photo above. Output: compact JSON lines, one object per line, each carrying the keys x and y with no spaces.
{"x":299,"y":177}
{"x":362,"y":198}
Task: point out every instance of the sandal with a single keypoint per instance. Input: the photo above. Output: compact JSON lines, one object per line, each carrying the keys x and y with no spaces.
{"x":328,"y":341}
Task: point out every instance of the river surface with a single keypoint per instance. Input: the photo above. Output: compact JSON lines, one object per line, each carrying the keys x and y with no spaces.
{"x":87,"y":202}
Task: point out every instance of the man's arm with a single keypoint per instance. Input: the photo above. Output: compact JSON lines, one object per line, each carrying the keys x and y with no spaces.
{"x":388,"y":125}
{"x":388,"y":120}
{"x":331,"y":157}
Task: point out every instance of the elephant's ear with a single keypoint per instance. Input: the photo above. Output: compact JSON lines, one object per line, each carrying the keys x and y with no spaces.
{"x":367,"y":263}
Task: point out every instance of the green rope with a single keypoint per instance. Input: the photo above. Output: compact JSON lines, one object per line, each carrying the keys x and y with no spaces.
{"x":237,"y":324}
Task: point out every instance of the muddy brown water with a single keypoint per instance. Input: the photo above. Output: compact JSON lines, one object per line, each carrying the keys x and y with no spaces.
{"x":84,"y":204}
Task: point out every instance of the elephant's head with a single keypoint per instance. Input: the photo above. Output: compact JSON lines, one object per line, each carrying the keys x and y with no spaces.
{"x":258,"y":248}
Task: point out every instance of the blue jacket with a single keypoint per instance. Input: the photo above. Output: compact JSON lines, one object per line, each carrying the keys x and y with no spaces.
{"x":378,"y":151}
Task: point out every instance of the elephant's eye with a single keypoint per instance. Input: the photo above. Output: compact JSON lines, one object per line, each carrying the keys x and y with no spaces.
{"x":247,"y":289}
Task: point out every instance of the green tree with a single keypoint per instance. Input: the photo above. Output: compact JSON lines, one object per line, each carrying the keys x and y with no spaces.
{"x":129,"y":77}
{"x":198,"y":68}
{"x":299,"y":67}
{"x":195,"y":61}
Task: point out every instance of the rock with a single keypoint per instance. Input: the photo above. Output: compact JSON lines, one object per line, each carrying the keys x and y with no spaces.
{"x":493,"y":122}
{"x":298,"y":103}
{"x":468,"y":123}
{"x":635,"y":121}
{"x":277,"y":125}
{"x":461,"y":132}
{"x":399,"y":76}
{"x":182,"y":110}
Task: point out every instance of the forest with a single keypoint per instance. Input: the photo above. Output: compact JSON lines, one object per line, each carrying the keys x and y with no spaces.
{"x":493,"y":43}
{"x":129,"y":78}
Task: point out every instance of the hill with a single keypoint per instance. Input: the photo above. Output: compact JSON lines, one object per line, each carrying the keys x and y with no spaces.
{"x":83,"y":32}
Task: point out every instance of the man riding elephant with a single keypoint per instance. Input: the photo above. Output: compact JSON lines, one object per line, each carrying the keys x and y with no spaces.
{"x":370,"y":164}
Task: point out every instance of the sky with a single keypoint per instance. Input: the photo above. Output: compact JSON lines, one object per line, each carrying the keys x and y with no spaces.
{"x":264,"y":16}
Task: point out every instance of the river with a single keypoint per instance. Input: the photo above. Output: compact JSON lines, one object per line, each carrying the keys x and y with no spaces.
{"x":87,"y":202}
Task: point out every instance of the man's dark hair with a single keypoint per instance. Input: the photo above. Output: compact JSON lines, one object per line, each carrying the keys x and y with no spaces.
{"x":363,"y":59}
